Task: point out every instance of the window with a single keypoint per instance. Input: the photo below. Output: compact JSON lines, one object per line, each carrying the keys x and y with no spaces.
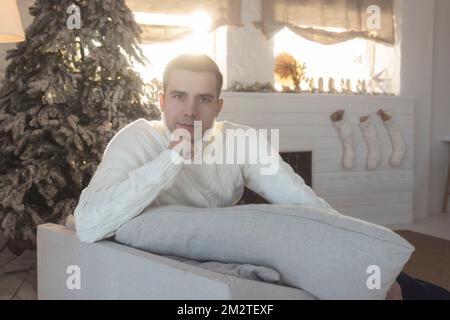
{"x":355,"y":59}
{"x":160,"y":53}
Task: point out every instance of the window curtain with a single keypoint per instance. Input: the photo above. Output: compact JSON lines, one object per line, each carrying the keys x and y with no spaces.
{"x":312,"y":19}
{"x":222,"y":12}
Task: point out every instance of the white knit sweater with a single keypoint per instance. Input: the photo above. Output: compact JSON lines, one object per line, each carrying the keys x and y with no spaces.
{"x":137,"y":171}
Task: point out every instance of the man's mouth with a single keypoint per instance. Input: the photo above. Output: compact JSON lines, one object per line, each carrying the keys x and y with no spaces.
{"x":185,"y":125}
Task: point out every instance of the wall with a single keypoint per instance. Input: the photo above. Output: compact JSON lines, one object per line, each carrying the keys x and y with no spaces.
{"x":440,"y":105}
{"x":249,"y":52}
{"x":417,"y":28}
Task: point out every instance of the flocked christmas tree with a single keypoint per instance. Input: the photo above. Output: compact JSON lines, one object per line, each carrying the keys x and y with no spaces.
{"x":68,"y":89}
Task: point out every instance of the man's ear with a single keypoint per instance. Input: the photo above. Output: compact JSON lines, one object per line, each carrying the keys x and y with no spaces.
{"x":161,"y":100}
{"x":219,"y":106}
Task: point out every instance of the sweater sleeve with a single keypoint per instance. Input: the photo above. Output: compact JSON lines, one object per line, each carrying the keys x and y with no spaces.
{"x":276,"y":181}
{"x":124,"y":183}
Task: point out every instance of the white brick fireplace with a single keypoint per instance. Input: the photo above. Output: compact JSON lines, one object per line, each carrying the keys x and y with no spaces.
{"x":384,"y":195}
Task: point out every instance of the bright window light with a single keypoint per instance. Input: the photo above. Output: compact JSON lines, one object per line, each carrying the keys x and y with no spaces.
{"x":159,"y":54}
{"x":199,"y":21}
{"x":354,"y":59}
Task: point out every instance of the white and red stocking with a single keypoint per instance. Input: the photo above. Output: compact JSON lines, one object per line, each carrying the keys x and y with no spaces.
{"x":398,"y":143}
{"x":373,"y":146}
{"x":345,"y":134}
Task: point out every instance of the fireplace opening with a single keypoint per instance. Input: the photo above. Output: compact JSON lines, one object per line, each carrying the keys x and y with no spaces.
{"x":300,"y":161}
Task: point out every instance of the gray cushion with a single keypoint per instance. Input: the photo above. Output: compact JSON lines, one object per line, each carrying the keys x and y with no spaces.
{"x":324,"y":253}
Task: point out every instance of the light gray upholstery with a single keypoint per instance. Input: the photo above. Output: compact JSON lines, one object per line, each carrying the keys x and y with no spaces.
{"x":246,"y":271}
{"x":109,"y":270}
{"x":330,"y":255}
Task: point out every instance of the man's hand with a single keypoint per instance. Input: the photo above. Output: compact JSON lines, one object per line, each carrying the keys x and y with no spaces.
{"x":184,"y":146}
{"x":395,"y":292}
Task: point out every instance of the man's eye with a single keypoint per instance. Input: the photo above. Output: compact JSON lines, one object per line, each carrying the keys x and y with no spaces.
{"x":178,"y":97}
{"x":205,"y":100}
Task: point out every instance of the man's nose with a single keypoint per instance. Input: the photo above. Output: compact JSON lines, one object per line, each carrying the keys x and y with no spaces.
{"x":191,"y":109}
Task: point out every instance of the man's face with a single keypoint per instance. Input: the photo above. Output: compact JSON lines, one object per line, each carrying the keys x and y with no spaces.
{"x":190,"y":96}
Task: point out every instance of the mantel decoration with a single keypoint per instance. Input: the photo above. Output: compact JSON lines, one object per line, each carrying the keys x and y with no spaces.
{"x":344,"y":128}
{"x":312,"y":88}
{"x":291,"y":75}
{"x":289,"y":72}
{"x":256,"y":87}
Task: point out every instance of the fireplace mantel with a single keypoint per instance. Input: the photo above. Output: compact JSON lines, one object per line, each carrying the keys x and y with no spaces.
{"x":384,"y":195}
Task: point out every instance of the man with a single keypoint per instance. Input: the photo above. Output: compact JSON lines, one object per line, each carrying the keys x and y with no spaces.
{"x":144,"y":166}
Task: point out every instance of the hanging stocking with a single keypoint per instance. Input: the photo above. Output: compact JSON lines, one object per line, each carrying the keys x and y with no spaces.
{"x":345,"y":133}
{"x":373,"y":147}
{"x":398,"y":144}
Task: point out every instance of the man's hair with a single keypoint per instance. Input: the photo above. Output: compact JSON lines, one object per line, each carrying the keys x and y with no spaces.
{"x":195,"y":63}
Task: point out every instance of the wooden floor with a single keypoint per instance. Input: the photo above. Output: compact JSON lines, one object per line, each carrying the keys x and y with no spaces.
{"x":18,"y":276}
{"x":437,"y":225}
{"x":23,"y":284}
{"x":430,"y":260}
